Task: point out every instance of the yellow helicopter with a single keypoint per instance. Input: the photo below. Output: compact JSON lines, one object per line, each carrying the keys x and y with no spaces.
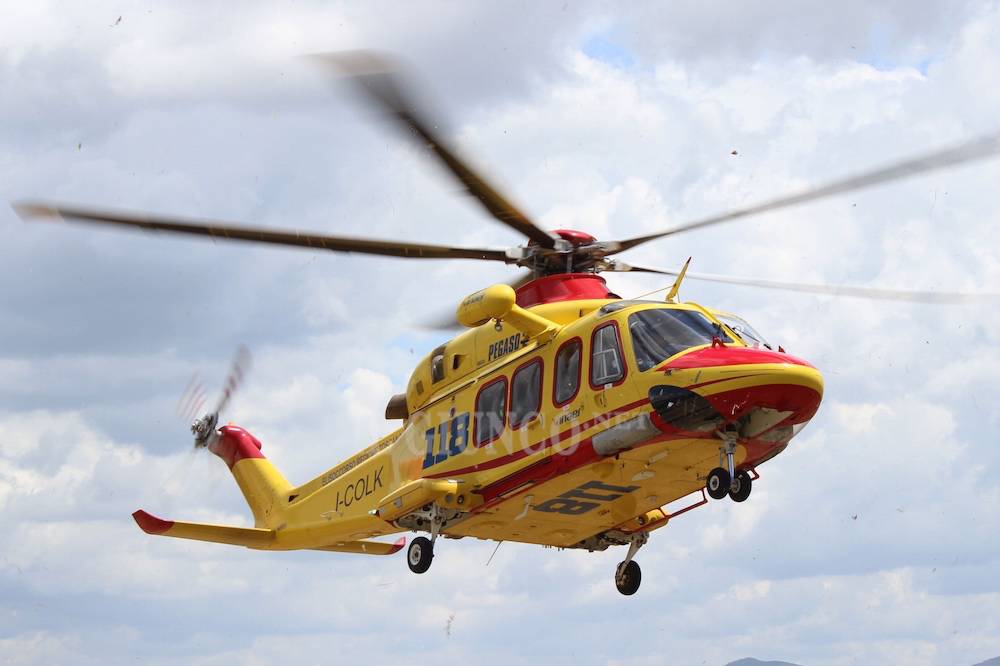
{"x":564,"y":416}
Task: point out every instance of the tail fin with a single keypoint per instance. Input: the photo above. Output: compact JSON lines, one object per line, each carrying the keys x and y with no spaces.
{"x":263,"y":486}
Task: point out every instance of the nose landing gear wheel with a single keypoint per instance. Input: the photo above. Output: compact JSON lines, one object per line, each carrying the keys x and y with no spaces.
{"x":739,"y":489}
{"x":718,"y":483}
{"x":628,"y":577}
{"x":419,"y":555}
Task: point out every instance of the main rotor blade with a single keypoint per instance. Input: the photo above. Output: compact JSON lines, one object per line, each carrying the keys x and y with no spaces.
{"x":934,"y":297}
{"x":146,"y":222}
{"x":977,"y":149}
{"x":373,"y":75}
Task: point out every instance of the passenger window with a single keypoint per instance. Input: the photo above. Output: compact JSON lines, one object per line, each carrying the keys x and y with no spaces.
{"x":491,"y":411}
{"x":606,"y":357}
{"x":567,"y":378}
{"x":437,"y":364}
{"x":526,"y":393}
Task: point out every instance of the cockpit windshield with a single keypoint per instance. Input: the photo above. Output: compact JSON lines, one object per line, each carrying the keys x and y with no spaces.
{"x":659,"y":334}
{"x":743,"y":329}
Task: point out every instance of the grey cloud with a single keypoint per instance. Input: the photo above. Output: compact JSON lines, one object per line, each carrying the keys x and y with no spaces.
{"x":718,"y":35}
{"x":110,"y":327}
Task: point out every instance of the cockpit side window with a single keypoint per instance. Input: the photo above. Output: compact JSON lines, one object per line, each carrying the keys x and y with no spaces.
{"x":659,"y":334}
{"x":743,"y":329}
{"x":606,"y":365}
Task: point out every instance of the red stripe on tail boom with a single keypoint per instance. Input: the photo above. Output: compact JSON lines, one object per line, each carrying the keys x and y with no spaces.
{"x":235,"y":444}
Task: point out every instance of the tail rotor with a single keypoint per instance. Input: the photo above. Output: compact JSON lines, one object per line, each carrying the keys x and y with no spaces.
{"x":204,"y":429}
{"x":192,"y":399}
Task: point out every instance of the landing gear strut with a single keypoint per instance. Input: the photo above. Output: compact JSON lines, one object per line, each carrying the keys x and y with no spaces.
{"x":721,"y":479}
{"x":420,"y":554}
{"x":629,"y":575}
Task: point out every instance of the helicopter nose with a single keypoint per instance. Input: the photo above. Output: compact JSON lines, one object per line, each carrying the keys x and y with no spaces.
{"x":757,"y":388}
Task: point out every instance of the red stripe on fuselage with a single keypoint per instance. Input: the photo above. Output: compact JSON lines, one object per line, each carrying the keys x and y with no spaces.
{"x":541,"y":446}
{"x":716,"y":381}
{"x":544,"y":470}
{"x":801,"y":400}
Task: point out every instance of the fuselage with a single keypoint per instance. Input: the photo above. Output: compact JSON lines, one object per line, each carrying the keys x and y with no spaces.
{"x":567,"y":438}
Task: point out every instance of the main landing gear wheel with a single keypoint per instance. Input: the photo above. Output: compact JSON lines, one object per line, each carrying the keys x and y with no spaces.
{"x":739,"y":489}
{"x":718,"y":483}
{"x":628,"y":577}
{"x":419,"y":555}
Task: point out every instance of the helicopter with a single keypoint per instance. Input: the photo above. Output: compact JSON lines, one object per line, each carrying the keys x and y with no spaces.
{"x":564,"y":416}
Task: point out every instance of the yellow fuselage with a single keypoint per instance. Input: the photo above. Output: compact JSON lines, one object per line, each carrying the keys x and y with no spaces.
{"x":574,"y":468}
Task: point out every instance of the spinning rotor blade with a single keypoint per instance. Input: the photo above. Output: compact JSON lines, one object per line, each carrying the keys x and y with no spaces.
{"x":204,"y":428}
{"x":192,"y":400}
{"x":374,"y":76}
{"x":40,"y":210}
{"x":237,"y":373}
{"x":935,"y":297}
{"x":976,"y":149}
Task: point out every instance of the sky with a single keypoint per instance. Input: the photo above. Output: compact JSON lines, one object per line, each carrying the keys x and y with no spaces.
{"x":872,"y":539}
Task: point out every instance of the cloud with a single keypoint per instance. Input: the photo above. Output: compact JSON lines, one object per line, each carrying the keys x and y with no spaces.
{"x":193,"y":110}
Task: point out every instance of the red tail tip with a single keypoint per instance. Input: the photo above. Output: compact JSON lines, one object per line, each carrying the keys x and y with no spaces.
{"x":150,"y":524}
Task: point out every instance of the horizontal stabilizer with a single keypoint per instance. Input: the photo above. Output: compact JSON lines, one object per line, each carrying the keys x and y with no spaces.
{"x":251,"y":537}
{"x":366,"y":547}
{"x":254,"y":537}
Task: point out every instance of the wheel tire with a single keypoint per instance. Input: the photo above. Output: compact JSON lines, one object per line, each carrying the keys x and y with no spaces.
{"x":420,"y":554}
{"x":739,"y":490}
{"x":718,"y":483}
{"x":628,"y":582}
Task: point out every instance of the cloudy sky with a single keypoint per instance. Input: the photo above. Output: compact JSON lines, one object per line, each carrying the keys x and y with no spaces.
{"x":873,"y":539}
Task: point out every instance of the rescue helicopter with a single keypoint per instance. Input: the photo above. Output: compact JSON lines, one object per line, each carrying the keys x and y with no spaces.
{"x":564,"y":415}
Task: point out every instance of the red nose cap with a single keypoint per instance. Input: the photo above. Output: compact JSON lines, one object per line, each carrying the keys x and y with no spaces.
{"x":737,"y":380}
{"x":716,"y":355}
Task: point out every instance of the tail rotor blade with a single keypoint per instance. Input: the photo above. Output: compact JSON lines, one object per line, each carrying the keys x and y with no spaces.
{"x":237,"y":373}
{"x":192,"y":399}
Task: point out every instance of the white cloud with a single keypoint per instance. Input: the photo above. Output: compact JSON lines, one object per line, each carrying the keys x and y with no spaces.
{"x":871,"y":540}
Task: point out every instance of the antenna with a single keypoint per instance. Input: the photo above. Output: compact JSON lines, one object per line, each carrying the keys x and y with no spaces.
{"x":672,"y":294}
